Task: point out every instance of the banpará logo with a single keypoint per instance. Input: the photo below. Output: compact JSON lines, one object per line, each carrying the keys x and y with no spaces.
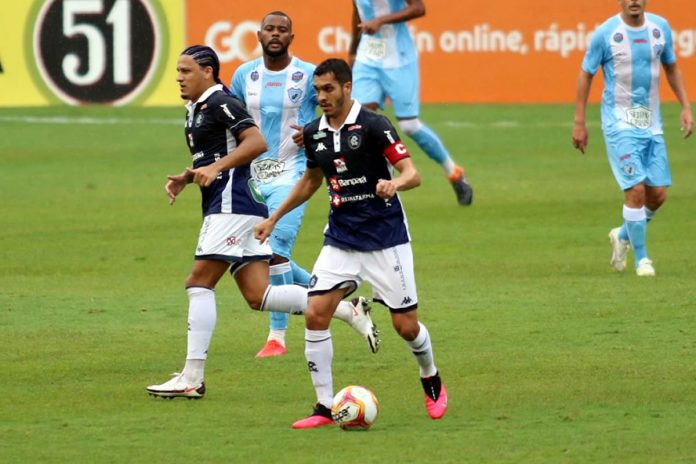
{"x":97,"y":51}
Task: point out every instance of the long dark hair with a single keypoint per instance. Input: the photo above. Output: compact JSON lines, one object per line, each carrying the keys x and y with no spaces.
{"x":206,"y":56}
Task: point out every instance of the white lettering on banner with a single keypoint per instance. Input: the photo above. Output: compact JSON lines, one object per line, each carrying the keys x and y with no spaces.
{"x":482,"y":38}
{"x":229,"y":42}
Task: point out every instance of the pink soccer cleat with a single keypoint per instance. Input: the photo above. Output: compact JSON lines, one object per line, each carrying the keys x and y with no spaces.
{"x":271,"y":348}
{"x":320,"y":417}
{"x":435,"y":396}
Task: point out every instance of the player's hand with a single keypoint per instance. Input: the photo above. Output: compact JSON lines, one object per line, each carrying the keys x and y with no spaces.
{"x":298,"y":137}
{"x":385,"y":189}
{"x":580,"y":137}
{"x":263,"y":230}
{"x":204,"y":176}
{"x":370,"y":27}
{"x":687,"y":122}
{"x":174,"y":186}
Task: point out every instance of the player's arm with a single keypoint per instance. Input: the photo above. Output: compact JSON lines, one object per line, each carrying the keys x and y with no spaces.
{"x":582,"y":93}
{"x":303,"y":191}
{"x":355,"y":34}
{"x":408,"y":178}
{"x":676,"y":82}
{"x":251,"y":144}
{"x":414,"y":9}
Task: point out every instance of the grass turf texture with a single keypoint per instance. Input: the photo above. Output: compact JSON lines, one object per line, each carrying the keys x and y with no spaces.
{"x":547,"y":354}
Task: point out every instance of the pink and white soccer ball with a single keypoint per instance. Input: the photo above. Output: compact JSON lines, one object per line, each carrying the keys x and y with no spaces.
{"x":355,"y":408}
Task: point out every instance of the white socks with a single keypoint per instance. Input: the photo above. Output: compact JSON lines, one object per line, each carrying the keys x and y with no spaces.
{"x":285,"y":299}
{"x":423,"y":351}
{"x":201,"y":323}
{"x":319,"y":355}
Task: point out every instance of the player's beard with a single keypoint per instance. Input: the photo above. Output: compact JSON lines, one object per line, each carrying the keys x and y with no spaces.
{"x":274,"y":54}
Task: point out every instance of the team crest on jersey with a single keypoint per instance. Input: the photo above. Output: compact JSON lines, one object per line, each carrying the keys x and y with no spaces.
{"x":354,"y":141}
{"x":254,"y":76}
{"x":297,"y":76}
{"x":618,"y":37}
{"x":629,"y":169}
{"x":295,"y":95}
{"x":340,"y":165}
{"x":657,"y":48}
{"x":656,"y":33}
{"x":199,"y":120}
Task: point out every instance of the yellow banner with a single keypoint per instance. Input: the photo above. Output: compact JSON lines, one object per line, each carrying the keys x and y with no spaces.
{"x":78,"y":52}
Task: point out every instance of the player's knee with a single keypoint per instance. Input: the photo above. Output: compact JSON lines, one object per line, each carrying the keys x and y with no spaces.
{"x":407,"y":328}
{"x":253,"y":297}
{"x":655,"y":197}
{"x":410,"y":126}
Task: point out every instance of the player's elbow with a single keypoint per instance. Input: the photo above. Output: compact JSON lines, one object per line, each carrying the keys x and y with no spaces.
{"x":419,"y":10}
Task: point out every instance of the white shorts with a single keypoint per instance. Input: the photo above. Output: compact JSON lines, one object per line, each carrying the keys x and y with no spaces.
{"x":230,"y":237}
{"x":389,"y":271}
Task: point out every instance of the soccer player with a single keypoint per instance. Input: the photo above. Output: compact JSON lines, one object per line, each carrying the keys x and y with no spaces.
{"x":277,"y":90}
{"x":366,"y":238}
{"x":223,"y":140}
{"x":631,"y":47}
{"x":385,"y":64}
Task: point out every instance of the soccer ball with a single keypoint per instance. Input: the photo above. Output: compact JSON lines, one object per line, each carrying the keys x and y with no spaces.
{"x":354,"y":408}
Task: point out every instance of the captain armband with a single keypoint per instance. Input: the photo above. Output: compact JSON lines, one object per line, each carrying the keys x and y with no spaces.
{"x":396,"y":152}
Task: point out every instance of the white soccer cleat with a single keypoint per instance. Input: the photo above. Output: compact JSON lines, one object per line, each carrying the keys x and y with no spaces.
{"x":178,"y":386}
{"x":645,"y":268}
{"x":619,"y":250}
{"x":362,"y":322}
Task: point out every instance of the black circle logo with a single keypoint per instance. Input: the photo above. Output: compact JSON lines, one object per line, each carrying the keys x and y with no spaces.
{"x":96,"y":51}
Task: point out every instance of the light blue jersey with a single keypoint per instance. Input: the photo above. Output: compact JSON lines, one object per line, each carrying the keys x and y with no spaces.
{"x":392,"y":46}
{"x":276,"y":100}
{"x":631,"y":58}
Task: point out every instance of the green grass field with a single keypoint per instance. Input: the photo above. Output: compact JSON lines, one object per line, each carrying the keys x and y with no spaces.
{"x":547,"y":354}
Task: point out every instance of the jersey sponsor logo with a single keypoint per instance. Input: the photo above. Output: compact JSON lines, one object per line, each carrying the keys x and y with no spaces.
{"x":639,"y":116}
{"x":274,"y":84}
{"x":640,"y":41}
{"x":198,"y":155}
{"x":354,"y":127}
{"x":319,"y":135}
{"x":86,"y":51}
{"x":320,"y":147}
{"x":336,"y":184}
{"x":254,"y":76}
{"x":354,"y":141}
{"x":297,"y":76}
{"x":227,"y":111}
{"x":340,"y":165}
{"x":255,"y":192}
{"x":295,"y":95}
{"x":190,"y":140}
{"x":266,"y":170}
{"x":618,"y":37}
{"x":338,"y":200}
{"x":656,"y":33}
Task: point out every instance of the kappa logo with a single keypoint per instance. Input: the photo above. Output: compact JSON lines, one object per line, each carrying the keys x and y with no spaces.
{"x":406,"y":300}
{"x":227,"y":111}
{"x":321,"y":147}
{"x":340,"y":165}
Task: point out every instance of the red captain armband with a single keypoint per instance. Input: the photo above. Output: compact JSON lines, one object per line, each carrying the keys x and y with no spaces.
{"x":396,"y":152}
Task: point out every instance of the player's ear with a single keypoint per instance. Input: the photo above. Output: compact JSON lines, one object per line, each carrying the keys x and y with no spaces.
{"x":348,"y":87}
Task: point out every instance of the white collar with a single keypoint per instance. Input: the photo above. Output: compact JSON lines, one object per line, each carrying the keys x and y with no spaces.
{"x":350,"y":119}
{"x":209,"y":91}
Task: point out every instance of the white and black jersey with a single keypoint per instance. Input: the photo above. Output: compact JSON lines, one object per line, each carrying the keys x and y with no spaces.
{"x":213,"y":125}
{"x":353,"y":159}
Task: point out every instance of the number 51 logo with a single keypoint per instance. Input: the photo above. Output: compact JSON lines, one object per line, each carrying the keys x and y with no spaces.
{"x":96,"y":51}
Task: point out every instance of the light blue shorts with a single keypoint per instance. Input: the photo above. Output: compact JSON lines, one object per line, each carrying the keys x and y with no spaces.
{"x":638,"y":159}
{"x":401,"y":85}
{"x":285,"y":232}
